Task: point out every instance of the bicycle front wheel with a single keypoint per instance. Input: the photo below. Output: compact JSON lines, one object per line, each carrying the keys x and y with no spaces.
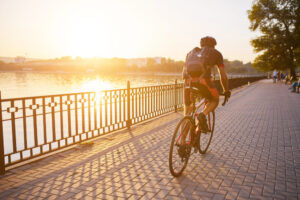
{"x":205,"y":138}
{"x":181,"y":145}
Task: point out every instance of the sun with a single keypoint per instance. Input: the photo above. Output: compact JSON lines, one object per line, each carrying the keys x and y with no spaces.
{"x":87,"y":38}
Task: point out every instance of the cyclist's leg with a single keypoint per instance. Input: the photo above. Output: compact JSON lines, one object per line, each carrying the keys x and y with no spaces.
{"x":211,"y":94}
{"x":213,"y":100}
{"x":187,"y":98}
{"x":210,"y":106}
{"x":188,"y":108}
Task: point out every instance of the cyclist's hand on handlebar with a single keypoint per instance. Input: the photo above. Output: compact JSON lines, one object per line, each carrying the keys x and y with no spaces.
{"x":227,"y":95}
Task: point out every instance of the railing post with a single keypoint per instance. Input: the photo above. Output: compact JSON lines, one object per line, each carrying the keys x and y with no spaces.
{"x":2,"y":162}
{"x":175,"y":92}
{"x":128,"y":122}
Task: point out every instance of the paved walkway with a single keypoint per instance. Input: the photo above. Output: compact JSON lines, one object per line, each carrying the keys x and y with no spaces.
{"x":255,"y":153}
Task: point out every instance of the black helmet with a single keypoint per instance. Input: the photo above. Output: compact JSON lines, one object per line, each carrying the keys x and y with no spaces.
{"x":208,"y":41}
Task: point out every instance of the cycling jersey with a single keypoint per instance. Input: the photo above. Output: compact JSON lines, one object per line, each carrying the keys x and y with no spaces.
{"x":204,"y":83}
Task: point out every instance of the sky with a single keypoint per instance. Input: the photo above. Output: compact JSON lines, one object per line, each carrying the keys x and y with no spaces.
{"x":123,"y":28}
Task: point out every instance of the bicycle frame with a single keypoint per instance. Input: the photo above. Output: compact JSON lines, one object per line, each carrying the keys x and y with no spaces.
{"x":196,"y":105}
{"x":188,"y":134}
{"x":194,"y":113}
{"x":197,"y":108}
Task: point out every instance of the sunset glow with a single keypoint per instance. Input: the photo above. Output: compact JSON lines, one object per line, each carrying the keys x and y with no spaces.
{"x":95,"y":85}
{"x":126,"y":29}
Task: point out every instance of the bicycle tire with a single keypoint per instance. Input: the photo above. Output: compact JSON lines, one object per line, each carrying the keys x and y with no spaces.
{"x":185,"y":124}
{"x":205,"y":138}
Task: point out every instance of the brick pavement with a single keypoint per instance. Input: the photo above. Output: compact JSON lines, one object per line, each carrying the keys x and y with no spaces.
{"x":255,"y":154}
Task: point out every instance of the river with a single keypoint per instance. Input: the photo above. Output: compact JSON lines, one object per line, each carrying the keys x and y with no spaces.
{"x":26,"y":84}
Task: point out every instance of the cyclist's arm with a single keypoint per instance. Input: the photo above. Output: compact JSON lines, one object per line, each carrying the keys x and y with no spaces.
{"x":223,"y":77}
{"x":184,"y":72}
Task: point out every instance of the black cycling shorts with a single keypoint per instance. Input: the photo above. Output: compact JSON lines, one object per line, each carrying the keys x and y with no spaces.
{"x":203,"y":92}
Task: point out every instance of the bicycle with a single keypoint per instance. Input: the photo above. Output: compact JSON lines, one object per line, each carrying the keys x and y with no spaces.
{"x":188,"y":135}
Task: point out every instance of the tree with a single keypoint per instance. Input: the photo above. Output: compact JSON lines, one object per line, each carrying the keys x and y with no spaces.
{"x":278,"y":21}
{"x":150,"y":63}
{"x":297,"y":50}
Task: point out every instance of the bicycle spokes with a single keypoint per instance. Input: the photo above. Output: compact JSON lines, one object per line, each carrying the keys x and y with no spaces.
{"x":184,"y":137}
{"x":181,"y":146}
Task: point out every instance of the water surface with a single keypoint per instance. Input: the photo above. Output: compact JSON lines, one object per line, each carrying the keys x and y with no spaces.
{"x":22,"y":84}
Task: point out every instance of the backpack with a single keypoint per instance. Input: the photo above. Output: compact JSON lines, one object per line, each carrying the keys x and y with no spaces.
{"x":197,"y":62}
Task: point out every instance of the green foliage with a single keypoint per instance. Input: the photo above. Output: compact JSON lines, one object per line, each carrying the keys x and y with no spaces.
{"x":297,"y":31}
{"x":114,"y":65}
{"x":238,"y":67}
{"x":278,"y":21}
{"x":165,"y":65}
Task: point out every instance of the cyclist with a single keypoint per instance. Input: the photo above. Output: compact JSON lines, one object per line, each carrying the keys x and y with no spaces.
{"x":203,"y":81}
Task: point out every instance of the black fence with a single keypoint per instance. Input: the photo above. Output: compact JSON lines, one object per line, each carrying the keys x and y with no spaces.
{"x":34,"y":126}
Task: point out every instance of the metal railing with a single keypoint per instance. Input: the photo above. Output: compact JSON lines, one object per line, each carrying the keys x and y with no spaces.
{"x":33,"y":126}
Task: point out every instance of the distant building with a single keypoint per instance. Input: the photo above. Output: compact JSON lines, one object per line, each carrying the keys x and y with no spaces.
{"x":139,"y":62}
{"x":158,"y":59}
{"x":7,"y":59}
{"x":142,"y":62}
{"x":20,"y":59}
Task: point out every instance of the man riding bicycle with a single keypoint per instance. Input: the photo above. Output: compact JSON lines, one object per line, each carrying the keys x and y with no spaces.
{"x":197,"y":73}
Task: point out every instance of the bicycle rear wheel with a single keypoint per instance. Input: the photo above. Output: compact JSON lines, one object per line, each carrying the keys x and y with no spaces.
{"x":181,"y":145}
{"x":205,"y":138}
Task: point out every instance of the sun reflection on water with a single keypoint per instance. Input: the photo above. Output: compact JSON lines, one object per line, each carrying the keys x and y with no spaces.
{"x":14,"y":85}
{"x":96,"y":86}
